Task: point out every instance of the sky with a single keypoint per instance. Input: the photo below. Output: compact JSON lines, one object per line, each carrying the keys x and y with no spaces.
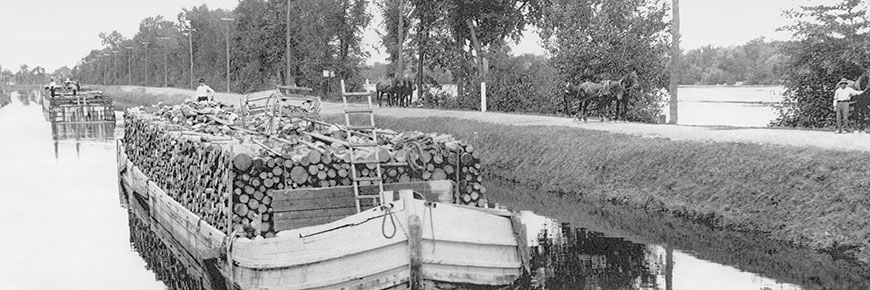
{"x":55,"y":33}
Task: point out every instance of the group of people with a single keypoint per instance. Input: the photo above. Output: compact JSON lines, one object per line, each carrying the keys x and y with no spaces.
{"x":845,"y":97}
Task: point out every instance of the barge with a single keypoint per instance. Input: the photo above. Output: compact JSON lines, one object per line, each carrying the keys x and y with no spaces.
{"x":411,"y":234}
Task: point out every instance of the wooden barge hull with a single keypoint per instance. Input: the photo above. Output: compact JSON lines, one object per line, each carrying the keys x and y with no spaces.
{"x":407,"y":244}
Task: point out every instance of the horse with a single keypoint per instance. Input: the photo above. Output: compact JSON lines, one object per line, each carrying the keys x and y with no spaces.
{"x":603,"y":93}
{"x":862,"y":102}
{"x":397,"y":92}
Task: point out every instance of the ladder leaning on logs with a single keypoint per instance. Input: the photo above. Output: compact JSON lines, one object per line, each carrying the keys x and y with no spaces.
{"x":355,"y":145}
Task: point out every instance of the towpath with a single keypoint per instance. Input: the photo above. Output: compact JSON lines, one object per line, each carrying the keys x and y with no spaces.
{"x":774,"y":136}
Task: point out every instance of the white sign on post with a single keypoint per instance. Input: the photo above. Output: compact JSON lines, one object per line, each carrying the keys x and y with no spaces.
{"x":482,"y":96}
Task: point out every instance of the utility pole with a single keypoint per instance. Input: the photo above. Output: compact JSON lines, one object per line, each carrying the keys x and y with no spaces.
{"x":145,"y":43}
{"x":190,"y":45}
{"x":129,"y":65}
{"x":165,"y":53}
{"x":227,"y":22}
{"x":400,"y":69}
{"x":675,"y":61}
{"x":105,"y":69}
{"x":115,"y":67}
{"x":289,"y":78}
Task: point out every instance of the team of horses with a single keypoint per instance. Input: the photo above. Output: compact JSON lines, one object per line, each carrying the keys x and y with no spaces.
{"x":396,"y":92}
{"x":603,"y":94}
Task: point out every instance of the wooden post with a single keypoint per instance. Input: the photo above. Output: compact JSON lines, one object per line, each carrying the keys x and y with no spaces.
{"x":415,"y":241}
{"x":483,"y":96}
{"x":669,"y":266}
{"x":289,"y":79}
{"x":675,"y":61}
{"x":400,"y":70}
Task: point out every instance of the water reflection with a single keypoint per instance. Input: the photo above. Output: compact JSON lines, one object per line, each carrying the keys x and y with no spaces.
{"x":701,"y":257}
{"x":60,"y":214}
{"x":564,"y":257}
{"x":160,"y":256}
{"x":83,"y":131}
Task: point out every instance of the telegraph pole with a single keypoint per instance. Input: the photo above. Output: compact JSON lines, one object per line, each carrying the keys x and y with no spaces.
{"x":227,"y":22}
{"x":165,"y":53}
{"x":400,"y":70}
{"x":129,"y":65}
{"x":145,"y":43}
{"x":289,"y":78}
{"x":115,"y":67}
{"x":675,"y":61}
{"x":190,"y":45}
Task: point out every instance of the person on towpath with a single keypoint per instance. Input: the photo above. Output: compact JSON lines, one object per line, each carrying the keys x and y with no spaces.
{"x":842,"y":99}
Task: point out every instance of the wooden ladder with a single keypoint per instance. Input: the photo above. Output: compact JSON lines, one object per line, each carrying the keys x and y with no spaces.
{"x":354,"y":147}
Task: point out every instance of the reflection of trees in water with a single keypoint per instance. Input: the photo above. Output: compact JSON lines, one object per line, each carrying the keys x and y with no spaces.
{"x":574,"y":258}
{"x":24,"y":97}
{"x":159,"y":258}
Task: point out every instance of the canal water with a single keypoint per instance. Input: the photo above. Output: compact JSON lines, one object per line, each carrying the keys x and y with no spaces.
{"x":67,"y":225}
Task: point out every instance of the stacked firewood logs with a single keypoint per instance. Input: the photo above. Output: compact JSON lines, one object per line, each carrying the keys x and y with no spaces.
{"x":235,"y":172}
{"x":192,"y":172}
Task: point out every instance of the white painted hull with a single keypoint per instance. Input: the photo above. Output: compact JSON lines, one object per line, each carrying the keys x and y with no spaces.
{"x":460,"y":247}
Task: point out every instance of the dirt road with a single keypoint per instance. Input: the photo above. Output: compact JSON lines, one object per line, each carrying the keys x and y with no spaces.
{"x":785,"y":137}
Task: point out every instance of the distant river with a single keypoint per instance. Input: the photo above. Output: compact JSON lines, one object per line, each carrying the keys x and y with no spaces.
{"x":739,"y":106}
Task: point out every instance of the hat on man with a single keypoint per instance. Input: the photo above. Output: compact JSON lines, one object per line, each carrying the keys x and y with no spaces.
{"x":203,"y":80}
{"x":843,"y":81}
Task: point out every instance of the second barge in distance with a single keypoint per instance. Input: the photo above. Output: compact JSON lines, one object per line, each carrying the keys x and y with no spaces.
{"x":414,"y":239}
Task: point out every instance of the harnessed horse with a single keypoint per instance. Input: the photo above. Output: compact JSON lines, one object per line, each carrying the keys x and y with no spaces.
{"x":397,"y":92}
{"x":603,"y":93}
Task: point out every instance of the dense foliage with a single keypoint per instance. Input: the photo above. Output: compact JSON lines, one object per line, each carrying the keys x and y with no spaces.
{"x":757,"y":62}
{"x":596,"y":40}
{"x":325,"y":35}
{"x":832,"y":42}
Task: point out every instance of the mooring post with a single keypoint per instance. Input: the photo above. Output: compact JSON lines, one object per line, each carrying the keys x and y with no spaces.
{"x":415,"y":240}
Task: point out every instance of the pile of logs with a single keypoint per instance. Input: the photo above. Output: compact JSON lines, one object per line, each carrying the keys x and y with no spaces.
{"x":202,"y":171}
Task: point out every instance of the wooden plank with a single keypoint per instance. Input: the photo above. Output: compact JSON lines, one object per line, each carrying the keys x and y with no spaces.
{"x":289,"y":224}
{"x":429,"y":189}
{"x":318,"y":202}
{"x":317,"y":213}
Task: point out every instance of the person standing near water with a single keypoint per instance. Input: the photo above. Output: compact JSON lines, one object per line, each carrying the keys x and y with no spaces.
{"x":842,"y":99}
{"x":204,"y":92}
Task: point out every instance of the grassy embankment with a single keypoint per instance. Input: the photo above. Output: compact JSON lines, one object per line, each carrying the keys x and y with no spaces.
{"x":128,"y":97}
{"x":806,"y":196}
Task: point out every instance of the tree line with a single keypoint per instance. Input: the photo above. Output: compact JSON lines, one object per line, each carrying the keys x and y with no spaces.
{"x":469,"y":44}
{"x":758,"y":62}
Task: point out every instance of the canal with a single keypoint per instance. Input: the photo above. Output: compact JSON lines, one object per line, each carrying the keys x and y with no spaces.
{"x":67,"y":225}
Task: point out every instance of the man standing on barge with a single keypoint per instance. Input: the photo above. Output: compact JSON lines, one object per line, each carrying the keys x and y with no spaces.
{"x":204,"y":92}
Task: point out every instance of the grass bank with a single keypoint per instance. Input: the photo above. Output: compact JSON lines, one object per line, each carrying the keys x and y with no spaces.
{"x":810,"y":197}
{"x":128,"y":97}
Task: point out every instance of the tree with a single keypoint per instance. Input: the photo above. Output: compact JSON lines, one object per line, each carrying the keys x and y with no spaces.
{"x":592,"y":40}
{"x":832,"y":42}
